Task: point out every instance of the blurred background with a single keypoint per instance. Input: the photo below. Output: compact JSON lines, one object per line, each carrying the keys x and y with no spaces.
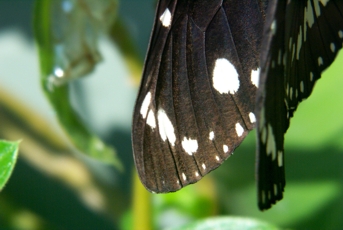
{"x":54,"y":186}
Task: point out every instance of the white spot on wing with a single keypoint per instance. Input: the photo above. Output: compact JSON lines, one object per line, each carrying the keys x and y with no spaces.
{"x":262,"y":120}
{"x":302,"y":86}
{"x":166,"y":18}
{"x":239,"y":129}
{"x":255,"y":76}
{"x":264,"y":135}
{"x":225,"y":77}
{"x":273,"y":27}
{"x":165,"y":126}
{"x":340,"y":34}
{"x":211,"y":136}
{"x":203,"y":166}
{"x":309,"y":17}
{"x":317,"y":8}
{"x":286,"y":103}
{"x":252,"y":117}
{"x":279,"y":57}
{"x":225,"y":148}
{"x":311,"y":76}
{"x":299,"y":42}
{"x":280,"y":158}
{"x":263,"y":196}
{"x":320,"y":61}
{"x":275,"y":189}
{"x":332,"y":47}
{"x":184,"y":177}
{"x":145,"y":105}
{"x":271,"y":145}
{"x":196,"y":174}
{"x":324,"y":2}
{"x":189,"y":145}
{"x":151,"y":119}
{"x":217,"y":158}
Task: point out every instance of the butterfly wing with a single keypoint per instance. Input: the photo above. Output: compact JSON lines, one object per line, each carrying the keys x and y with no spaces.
{"x":301,"y":39}
{"x":196,"y":100}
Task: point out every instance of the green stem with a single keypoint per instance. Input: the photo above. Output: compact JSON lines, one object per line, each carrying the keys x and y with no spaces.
{"x":142,"y":211}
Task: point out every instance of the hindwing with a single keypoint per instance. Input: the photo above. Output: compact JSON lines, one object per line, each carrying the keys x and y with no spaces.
{"x":301,"y":39}
{"x":197,"y":96}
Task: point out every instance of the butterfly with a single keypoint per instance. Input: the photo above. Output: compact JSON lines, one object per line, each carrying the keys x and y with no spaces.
{"x":197,"y":98}
{"x":300,"y":40}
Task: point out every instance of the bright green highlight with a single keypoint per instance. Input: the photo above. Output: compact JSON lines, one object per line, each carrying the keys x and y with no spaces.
{"x":8,"y":158}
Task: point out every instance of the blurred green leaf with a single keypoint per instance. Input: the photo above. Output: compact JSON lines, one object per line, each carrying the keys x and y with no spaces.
{"x":227,"y":223}
{"x":58,"y":95}
{"x":318,"y":117}
{"x":8,"y":158}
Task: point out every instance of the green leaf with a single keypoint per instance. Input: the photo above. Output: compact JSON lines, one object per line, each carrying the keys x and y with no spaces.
{"x":8,"y":158}
{"x":227,"y":223}
{"x":58,"y":93}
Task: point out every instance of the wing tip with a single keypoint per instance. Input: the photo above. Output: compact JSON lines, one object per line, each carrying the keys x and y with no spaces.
{"x":265,"y":201}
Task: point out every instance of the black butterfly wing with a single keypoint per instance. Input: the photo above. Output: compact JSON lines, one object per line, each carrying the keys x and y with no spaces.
{"x":301,"y":39}
{"x":197,"y":95}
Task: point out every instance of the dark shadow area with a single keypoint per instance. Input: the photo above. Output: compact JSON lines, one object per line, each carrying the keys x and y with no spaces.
{"x":313,"y":165}
{"x":120,"y":139}
{"x":18,"y":14}
{"x":138,"y":18}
